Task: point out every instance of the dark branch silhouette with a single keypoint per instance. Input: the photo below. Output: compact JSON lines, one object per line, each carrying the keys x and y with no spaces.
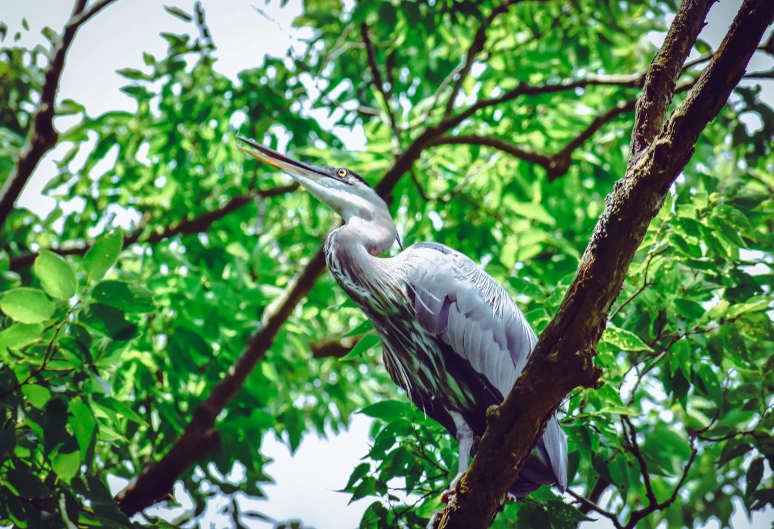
{"x":333,"y":348}
{"x":42,"y":136}
{"x":378,"y":83}
{"x":185,"y":227}
{"x":479,"y":40}
{"x":557,"y":164}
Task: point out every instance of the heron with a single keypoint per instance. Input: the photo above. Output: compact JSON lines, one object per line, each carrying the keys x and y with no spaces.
{"x":452,"y":337}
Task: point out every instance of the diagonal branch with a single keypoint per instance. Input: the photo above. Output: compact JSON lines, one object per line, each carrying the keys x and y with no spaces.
{"x":479,"y":40}
{"x":557,"y":164}
{"x":185,"y":227}
{"x":378,"y":83}
{"x":589,"y":506}
{"x":333,"y":347}
{"x":42,"y":136}
{"x":563,"y":356}
{"x":659,"y":85}
{"x":199,"y":437}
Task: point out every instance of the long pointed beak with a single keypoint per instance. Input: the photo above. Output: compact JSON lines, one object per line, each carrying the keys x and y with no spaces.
{"x":279,"y":161}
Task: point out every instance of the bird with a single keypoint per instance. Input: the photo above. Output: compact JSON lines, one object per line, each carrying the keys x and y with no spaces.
{"x":452,"y":337}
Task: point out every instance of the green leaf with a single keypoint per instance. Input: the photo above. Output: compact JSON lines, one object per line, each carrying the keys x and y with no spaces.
{"x":361,"y":470}
{"x":526,"y":287}
{"x":623,"y":339}
{"x":54,"y":422}
{"x":26,"y":484}
{"x":37,"y":395}
{"x":103,"y":254}
{"x":688,"y":309}
{"x":752,"y":305}
{"x":108,"y":321}
{"x":56,"y":276}
{"x":27,"y":305}
{"x":754,"y":475}
{"x":663,"y":436}
{"x":20,"y":334}
{"x":131,"y":73}
{"x":361,"y":329}
{"x":68,"y":107}
{"x":367,"y":487}
{"x":83,"y":424}
{"x":66,"y":466}
{"x":534,"y":212}
{"x":734,"y":449}
{"x":365,"y":343}
{"x":709,"y":380}
{"x":114,"y":406}
{"x":179,"y":13}
{"x":127,"y":297}
{"x":387,"y":410}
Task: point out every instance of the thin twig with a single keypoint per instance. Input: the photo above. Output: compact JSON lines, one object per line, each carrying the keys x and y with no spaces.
{"x":645,"y":282}
{"x":379,"y":84}
{"x":476,"y":46}
{"x":596,"y":508}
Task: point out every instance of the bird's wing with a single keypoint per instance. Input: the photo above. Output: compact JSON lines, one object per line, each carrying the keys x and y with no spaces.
{"x":467,"y":309}
{"x":456,"y":300}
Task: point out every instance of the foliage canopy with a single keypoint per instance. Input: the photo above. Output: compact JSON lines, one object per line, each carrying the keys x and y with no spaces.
{"x":112,"y":337}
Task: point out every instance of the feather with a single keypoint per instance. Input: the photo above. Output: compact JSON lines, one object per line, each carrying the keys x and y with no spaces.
{"x":467,"y":309}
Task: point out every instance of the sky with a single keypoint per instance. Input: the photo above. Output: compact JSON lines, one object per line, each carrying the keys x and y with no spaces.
{"x":114,"y":39}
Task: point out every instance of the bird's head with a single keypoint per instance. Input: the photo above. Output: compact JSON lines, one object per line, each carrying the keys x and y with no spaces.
{"x":344,"y":191}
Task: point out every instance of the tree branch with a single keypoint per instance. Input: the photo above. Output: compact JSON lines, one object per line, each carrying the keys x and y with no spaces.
{"x":479,"y":40}
{"x":156,"y":481}
{"x":379,"y":83}
{"x":523,"y":89}
{"x":42,"y":136}
{"x":658,"y":89}
{"x":563,"y":356}
{"x":653,"y":504}
{"x":185,"y":227}
{"x":336,"y":348}
{"x":592,"y":506}
{"x":596,"y":492}
{"x":557,"y":164}
{"x":634,"y":448}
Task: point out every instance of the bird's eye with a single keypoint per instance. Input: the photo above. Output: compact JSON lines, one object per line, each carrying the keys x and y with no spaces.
{"x":342,"y":173}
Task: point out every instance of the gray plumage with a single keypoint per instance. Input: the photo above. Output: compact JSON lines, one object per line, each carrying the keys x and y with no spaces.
{"x":452,"y":337}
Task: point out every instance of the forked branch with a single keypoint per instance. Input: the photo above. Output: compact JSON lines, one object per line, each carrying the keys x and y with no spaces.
{"x":42,"y":136}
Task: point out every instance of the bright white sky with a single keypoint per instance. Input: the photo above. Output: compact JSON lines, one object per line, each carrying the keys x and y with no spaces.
{"x":116,"y":39}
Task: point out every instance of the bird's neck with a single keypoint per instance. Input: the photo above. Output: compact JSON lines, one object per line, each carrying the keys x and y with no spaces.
{"x":352,"y":249}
